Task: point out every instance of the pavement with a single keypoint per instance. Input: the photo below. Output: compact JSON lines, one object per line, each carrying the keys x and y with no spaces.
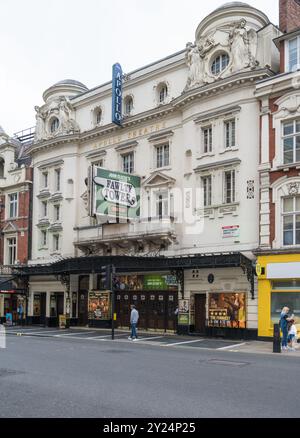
{"x":154,"y":339}
{"x":50,"y":373}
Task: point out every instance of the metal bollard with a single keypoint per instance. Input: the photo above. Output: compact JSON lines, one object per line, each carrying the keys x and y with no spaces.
{"x":276,"y":339}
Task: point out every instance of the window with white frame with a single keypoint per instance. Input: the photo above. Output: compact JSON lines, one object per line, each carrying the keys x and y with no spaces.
{"x":57,"y":180}
{"x":291,"y":221}
{"x":56,"y":242}
{"x":207,"y":139}
{"x":229,"y":186}
{"x":56,"y":212}
{"x":43,"y":237}
{"x":162,"y":204}
{"x":13,"y":205}
{"x":45,"y":180}
{"x":99,"y":163}
{"x":291,"y":142}
{"x":220,"y":63}
{"x":207,"y":190}
{"x":293,"y":54}
{"x":162,"y":155}
{"x":44,"y":209}
{"x":128,"y":162}
{"x":230,"y":134}
{"x":98,"y":116}
{"x":162,"y":93}
{"x":54,"y":125}
{"x":11,"y":250}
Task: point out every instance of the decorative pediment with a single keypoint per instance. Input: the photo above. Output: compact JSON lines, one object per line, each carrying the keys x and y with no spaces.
{"x":288,"y":105}
{"x":158,"y":179}
{"x":10,"y":228}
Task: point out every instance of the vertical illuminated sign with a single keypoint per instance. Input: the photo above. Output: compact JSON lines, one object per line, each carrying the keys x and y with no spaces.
{"x":117,"y":94}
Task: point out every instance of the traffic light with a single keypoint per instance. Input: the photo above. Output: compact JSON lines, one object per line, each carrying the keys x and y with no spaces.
{"x":106,"y":277}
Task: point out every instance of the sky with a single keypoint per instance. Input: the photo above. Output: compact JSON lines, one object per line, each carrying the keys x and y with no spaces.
{"x":45,"y":41}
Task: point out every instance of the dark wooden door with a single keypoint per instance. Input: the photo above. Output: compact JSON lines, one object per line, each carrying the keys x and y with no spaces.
{"x":200,"y":313}
{"x":83,"y":308}
{"x":43,"y":297}
{"x":60,"y":304}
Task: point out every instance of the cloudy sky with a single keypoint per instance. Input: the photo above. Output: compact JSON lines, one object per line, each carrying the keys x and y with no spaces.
{"x":45,"y":41}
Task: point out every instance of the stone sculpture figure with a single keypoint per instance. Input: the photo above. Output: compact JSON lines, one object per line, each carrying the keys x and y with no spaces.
{"x":40,"y":132}
{"x":243,"y":46}
{"x":195,"y":59}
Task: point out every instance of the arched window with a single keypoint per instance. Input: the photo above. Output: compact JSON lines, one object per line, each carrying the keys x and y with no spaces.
{"x":162,"y":93}
{"x":54,"y":125}
{"x":128,"y":105}
{"x":98,"y":116}
{"x":220,"y":63}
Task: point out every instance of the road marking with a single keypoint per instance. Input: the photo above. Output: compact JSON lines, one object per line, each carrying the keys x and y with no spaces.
{"x":62,"y":335}
{"x":182,"y":343}
{"x":21,"y":330}
{"x":38,"y":333}
{"x":94,"y":338}
{"x":231,"y":346}
{"x":149,"y":339}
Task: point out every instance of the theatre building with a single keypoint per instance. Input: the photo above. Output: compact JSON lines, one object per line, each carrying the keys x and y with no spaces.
{"x":171,"y":199}
{"x":279,"y":254}
{"x":15,"y":199}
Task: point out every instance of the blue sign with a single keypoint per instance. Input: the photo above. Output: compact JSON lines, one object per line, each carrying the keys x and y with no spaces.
{"x":117,"y":84}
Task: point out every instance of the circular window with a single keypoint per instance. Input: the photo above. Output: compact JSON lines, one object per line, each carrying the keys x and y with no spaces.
{"x":220,"y":63}
{"x":54,"y":125}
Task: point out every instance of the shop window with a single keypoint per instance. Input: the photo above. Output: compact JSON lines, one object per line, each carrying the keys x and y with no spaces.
{"x":286,"y":285}
{"x":285,"y":299}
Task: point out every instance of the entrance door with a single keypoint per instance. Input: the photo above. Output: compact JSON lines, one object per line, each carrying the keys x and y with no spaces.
{"x":60,"y":304}
{"x":83,"y":308}
{"x":43,"y":297}
{"x":200,"y":313}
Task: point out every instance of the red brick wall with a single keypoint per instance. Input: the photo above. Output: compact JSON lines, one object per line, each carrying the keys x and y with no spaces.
{"x":21,"y":224}
{"x":289,"y":15}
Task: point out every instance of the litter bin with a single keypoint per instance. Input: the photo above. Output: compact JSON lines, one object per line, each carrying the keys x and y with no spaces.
{"x":276,"y":339}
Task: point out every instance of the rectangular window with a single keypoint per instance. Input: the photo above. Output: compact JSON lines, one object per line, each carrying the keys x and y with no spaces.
{"x":207,"y":139}
{"x":57,"y":179}
{"x":45,"y":180}
{"x":162,"y":204}
{"x":13,"y":205}
{"x":283,"y":299}
{"x":98,"y":163}
{"x":291,"y":221}
{"x":44,"y":209}
{"x":162,"y":155}
{"x":229,"y":187}
{"x":206,"y":184}
{"x":56,"y":212}
{"x":291,"y":142}
{"x":12,"y":250}
{"x":43,"y":238}
{"x":230,"y":134}
{"x":293,"y":54}
{"x":56,"y":242}
{"x":128,"y":162}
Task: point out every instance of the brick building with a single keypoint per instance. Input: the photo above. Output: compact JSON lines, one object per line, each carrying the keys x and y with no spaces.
{"x":15,"y":221}
{"x":279,"y":254}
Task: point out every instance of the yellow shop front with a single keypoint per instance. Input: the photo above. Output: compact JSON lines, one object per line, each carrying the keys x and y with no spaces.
{"x":278,"y":286}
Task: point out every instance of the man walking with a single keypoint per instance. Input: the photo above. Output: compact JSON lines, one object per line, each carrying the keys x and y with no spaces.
{"x":134,"y":318}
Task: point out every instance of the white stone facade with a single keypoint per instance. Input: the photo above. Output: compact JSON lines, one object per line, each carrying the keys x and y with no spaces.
{"x":201,"y":103}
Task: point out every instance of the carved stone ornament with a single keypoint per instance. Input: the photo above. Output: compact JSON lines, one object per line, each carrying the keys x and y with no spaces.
{"x":293,"y":189}
{"x":61,"y":109}
{"x":233,"y":39}
{"x":85,"y":198}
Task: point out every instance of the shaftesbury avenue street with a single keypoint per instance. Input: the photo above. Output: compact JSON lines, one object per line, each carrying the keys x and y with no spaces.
{"x":149,"y":221}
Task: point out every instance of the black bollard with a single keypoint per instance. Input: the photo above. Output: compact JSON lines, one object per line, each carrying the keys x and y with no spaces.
{"x":276,"y":339}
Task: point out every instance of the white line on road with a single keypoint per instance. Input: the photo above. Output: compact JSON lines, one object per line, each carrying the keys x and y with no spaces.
{"x":37,"y":333}
{"x":231,"y":346}
{"x":182,"y":343}
{"x":149,"y":339}
{"x":94,"y":338}
{"x":62,"y":335}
